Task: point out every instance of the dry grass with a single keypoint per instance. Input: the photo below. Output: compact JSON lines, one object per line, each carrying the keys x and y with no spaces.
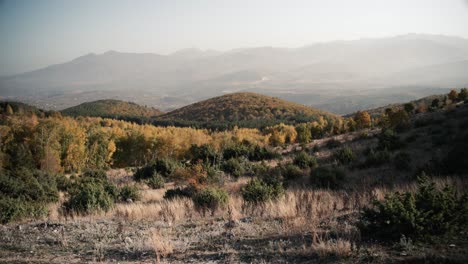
{"x":333,"y":247}
{"x":150,"y":195}
{"x":161,"y":245}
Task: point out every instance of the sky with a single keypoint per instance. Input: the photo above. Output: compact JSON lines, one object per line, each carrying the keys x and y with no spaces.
{"x":38,"y":33}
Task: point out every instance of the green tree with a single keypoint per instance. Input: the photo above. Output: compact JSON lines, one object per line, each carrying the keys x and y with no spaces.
{"x":409,"y":108}
{"x":463,"y":95}
{"x":304,"y":133}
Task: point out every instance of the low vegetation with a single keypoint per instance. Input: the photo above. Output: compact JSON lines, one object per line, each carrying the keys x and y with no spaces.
{"x":367,"y":189}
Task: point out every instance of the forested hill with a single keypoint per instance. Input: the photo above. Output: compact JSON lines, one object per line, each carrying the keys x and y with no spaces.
{"x":10,"y":107}
{"x":246,"y":109}
{"x":112,"y":109}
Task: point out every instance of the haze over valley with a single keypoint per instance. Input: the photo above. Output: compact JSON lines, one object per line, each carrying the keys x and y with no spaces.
{"x":234,"y":131}
{"x":338,"y":76}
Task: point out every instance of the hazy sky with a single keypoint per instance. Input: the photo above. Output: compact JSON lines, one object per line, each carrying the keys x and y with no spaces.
{"x":35,"y":33}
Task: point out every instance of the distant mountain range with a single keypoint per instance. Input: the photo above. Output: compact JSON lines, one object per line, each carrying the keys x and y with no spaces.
{"x":385,"y":70}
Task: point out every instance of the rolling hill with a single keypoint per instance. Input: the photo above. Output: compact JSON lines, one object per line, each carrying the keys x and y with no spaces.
{"x":246,"y":109}
{"x":112,"y":109}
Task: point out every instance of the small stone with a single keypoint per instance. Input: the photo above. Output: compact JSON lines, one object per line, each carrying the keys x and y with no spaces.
{"x":452,"y":245}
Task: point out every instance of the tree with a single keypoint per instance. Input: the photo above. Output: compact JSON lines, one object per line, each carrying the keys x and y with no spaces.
{"x":421,"y":108}
{"x":463,"y":95}
{"x":9,"y":110}
{"x":409,"y":108}
{"x":453,"y":95}
{"x":363,"y":119}
{"x":304,"y":133}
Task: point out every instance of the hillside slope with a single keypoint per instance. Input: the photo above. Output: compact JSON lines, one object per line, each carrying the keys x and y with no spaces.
{"x":111,"y":108}
{"x":247,"y":107}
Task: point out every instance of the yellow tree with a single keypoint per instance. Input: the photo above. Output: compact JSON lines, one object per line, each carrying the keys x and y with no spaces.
{"x":72,"y":141}
{"x":362,"y":119}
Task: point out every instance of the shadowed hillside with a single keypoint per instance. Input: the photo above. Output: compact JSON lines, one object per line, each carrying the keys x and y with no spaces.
{"x":111,"y":108}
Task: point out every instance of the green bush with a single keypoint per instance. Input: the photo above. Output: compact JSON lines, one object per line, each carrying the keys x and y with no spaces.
{"x":165,"y":167}
{"x":13,"y":209}
{"x":304,"y":160}
{"x":210,"y":199}
{"x":233,"y":167}
{"x":63,"y":183}
{"x":258,"y":153}
{"x":97,"y":174}
{"x":156,"y":182}
{"x":128,"y":193}
{"x":90,"y":194}
{"x":376,"y":158}
{"x":205,"y":153}
{"x":25,"y":193}
{"x":345,"y":155}
{"x":291,"y":172}
{"x":389,"y":140}
{"x":236,"y":151}
{"x":327,"y":177}
{"x":178,"y":192}
{"x":402,"y":161}
{"x":215,"y":176}
{"x":258,"y":191}
{"x":429,"y":213}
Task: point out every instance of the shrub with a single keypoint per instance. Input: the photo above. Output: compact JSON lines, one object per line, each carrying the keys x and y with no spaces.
{"x":327,"y":177}
{"x":156,"y":182}
{"x":377,"y":158}
{"x":428,"y":213}
{"x":291,"y":172}
{"x":128,"y":193}
{"x":258,"y":191}
{"x":259,"y":169}
{"x":215,"y":176}
{"x":345,"y":155}
{"x":233,"y":167}
{"x":97,"y":174}
{"x":304,"y":160}
{"x":333,"y":143}
{"x":25,"y":193}
{"x":63,"y":183}
{"x":402,"y":161}
{"x":205,"y":153}
{"x":179,"y":193}
{"x":13,"y":209}
{"x":389,"y":140}
{"x":90,"y":195}
{"x":258,"y":153}
{"x":165,"y":167}
{"x":210,"y":199}
{"x":235,"y":151}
